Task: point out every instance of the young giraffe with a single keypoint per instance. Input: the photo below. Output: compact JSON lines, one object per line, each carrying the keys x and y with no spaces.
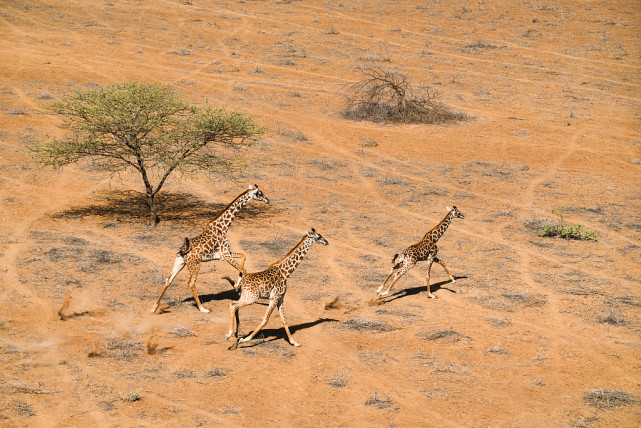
{"x":212,"y":244}
{"x":270,"y":283}
{"x":425,"y":249}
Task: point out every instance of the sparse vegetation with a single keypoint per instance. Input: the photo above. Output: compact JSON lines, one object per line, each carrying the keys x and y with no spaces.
{"x":608,"y":398}
{"x":557,"y":228}
{"x":150,"y":129}
{"x":341,"y":380}
{"x":387,"y":96}
{"x":130,"y":397}
{"x":380,"y":402}
{"x":447,"y":334}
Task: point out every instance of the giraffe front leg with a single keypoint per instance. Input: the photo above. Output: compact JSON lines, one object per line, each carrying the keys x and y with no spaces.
{"x":179,"y":263}
{"x":283,"y":319}
{"x":242,"y":262}
{"x":229,"y":258}
{"x":442,"y":263}
{"x":270,"y":309}
{"x":427,"y":281}
{"x":233,"y":311}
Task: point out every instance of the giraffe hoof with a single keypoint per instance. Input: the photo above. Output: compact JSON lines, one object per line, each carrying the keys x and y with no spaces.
{"x":294,"y":343}
{"x":233,"y":346}
{"x":243,"y":340}
{"x":228,"y":335}
{"x":431,"y":296}
{"x":153,"y":311}
{"x":203,"y":310}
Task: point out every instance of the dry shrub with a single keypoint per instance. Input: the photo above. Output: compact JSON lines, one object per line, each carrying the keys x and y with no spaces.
{"x":387,"y":96}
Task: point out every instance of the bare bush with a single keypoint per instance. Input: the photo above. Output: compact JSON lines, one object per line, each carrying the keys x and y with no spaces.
{"x":387,"y":96}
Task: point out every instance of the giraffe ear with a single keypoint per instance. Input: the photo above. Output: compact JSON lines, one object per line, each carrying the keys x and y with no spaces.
{"x":448,"y":209}
{"x":313,"y":230}
{"x":256,"y":186}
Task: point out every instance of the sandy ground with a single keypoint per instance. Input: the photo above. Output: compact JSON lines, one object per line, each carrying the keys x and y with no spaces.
{"x":529,"y":335}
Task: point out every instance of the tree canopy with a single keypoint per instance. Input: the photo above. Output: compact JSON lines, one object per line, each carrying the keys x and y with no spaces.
{"x":148,"y":128}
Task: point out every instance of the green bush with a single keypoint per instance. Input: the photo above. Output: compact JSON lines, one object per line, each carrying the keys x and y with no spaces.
{"x":558,"y":228}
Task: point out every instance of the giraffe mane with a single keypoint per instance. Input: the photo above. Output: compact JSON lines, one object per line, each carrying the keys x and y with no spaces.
{"x":230,"y":204}
{"x":291,"y":251}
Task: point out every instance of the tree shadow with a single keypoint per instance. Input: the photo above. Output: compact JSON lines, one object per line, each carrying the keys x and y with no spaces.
{"x":172,"y":207}
{"x":271,"y":334}
{"x":417,"y":290}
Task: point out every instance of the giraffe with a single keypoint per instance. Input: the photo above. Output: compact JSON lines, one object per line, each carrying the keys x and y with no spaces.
{"x":212,"y":244}
{"x":270,"y":283}
{"x":424,"y":250}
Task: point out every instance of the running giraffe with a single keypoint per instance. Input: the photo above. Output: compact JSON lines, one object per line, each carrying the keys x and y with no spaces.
{"x":424,"y":250}
{"x":270,"y":283}
{"x":212,"y":244}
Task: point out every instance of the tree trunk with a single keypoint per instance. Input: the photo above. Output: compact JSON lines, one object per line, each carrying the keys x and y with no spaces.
{"x":151,"y":203}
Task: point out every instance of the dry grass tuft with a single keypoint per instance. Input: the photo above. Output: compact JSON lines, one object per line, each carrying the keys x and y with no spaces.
{"x":609,"y":398}
{"x":380,"y":402}
{"x":363,"y":324}
{"x":341,"y":380}
{"x":447,"y":334}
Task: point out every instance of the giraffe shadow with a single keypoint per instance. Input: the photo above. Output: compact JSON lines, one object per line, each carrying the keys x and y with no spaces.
{"x":422,"y":289}
{"x":204,"y":298}
{"x":271,"y":334}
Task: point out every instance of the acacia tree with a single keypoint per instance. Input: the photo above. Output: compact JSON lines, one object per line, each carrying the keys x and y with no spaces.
{"x":150,"y":129}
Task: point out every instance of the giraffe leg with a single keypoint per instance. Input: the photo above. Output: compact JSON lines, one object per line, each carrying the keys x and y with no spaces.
{"x":427,"y":281}
{"x":242,"y":262}
{"x":193,"y":271}
{"x":270,"y":309}
{"x":442,"y":263}
{"x":179,"y":263}
{"x":283,"y":319}
{"x":395,"y":279}
{"x":379,"y":289}
{"x":229,"y":258}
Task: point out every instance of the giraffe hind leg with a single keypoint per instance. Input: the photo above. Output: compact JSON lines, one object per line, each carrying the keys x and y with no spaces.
{"x":179,"y":263}
{"x":378,"y":290}
{"x":283,"y":319}
{"x":193,"y":271}
{"x":270,"y":309}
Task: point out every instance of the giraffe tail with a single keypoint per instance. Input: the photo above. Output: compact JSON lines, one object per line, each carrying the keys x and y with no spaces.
{"x":185,"y":248}
{"x":398,"y":263}
{"x":236,"y":284}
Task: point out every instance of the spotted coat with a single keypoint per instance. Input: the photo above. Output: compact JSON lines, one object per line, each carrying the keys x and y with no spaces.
{"x":424,"y":250}
{"x":212,"y":244}
{"x":270,"y":284}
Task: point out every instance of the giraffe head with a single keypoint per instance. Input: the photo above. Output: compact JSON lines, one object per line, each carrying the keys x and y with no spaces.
{"x":316,"y":237}
{"x":455,"y":212}
{"x":257,"y":194}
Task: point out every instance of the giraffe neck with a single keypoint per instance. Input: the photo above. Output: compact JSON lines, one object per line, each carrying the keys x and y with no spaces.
{"x":224,"y":219}
{"x":288,"y":263}
{"x":438,"y":230}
